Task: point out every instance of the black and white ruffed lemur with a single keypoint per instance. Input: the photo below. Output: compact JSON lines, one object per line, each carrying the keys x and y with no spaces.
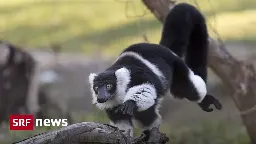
{"x":132,"y":88}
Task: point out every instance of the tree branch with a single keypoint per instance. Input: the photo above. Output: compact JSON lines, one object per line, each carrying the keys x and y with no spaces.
{"x":90,"y":132}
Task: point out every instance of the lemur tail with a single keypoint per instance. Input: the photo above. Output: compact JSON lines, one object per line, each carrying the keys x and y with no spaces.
{"x":185,"y":32}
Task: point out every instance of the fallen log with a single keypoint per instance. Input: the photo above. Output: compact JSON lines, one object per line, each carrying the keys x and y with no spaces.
{"x":90,"y":132}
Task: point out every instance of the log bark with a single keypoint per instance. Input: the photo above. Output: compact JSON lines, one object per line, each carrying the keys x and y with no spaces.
{"x":239,"y":76}
{"x":94,"y":133}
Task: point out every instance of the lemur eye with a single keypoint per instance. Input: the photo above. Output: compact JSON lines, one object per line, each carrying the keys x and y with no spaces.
{"x":109,"y":86}
{"x":96,"y":88}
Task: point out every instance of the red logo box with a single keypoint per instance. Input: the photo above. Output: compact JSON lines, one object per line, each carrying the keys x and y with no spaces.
{"x":21,"y":122}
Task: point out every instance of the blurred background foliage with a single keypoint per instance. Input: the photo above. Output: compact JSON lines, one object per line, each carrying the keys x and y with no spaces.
{"x":108,"y":26}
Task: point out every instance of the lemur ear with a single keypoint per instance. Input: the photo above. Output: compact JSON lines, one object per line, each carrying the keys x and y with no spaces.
{"x":92,"y":77}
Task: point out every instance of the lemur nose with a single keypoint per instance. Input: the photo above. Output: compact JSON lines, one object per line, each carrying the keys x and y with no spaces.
{"x":101,"y":100}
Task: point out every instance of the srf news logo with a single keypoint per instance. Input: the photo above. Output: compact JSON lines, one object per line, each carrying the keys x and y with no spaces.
{"x":27,"y":122}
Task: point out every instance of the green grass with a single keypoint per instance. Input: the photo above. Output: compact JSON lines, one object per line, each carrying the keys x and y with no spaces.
{"x":210,"y":133}
{"x":88,"y":26}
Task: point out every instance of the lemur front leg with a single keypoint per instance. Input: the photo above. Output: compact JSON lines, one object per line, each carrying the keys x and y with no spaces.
{"x":127,"y":108}
{"x":138,"y":98}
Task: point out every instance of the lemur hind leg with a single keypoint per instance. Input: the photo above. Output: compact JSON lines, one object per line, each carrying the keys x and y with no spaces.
{"x":122,"y":121}
{"x":147,"y":131}
{"x":149,"y":119}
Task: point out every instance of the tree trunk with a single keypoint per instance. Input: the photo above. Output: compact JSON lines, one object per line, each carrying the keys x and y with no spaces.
{"x":237,"y":75}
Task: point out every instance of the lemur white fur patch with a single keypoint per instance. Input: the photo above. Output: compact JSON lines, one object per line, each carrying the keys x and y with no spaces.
{"x":123,"y":79}
{"x":158,"y":121}
{"x":91,"y":79}
{"x":199,"y":85}
{"x":144,"y":95}
{"x":151,"y":66}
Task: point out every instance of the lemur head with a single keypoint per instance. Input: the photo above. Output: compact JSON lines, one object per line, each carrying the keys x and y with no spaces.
{"x":106,"y":85}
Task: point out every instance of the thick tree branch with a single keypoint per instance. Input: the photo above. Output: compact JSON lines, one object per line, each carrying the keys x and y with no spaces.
{"x":89,"y":132}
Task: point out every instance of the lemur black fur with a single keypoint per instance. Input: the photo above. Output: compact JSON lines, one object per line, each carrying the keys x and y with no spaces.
{"x":185,"y":32}
{"x":132,"y":88}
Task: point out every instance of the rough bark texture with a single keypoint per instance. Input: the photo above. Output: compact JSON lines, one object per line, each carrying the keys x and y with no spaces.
{"x":89,"y":132}
{"x":237,"y":75}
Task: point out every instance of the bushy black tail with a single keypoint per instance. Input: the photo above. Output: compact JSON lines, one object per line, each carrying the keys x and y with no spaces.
{"x":185,"y":33}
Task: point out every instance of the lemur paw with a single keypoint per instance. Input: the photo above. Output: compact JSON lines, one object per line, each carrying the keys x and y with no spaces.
{"x":127,"y":108}
{"x":207,"y":101}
